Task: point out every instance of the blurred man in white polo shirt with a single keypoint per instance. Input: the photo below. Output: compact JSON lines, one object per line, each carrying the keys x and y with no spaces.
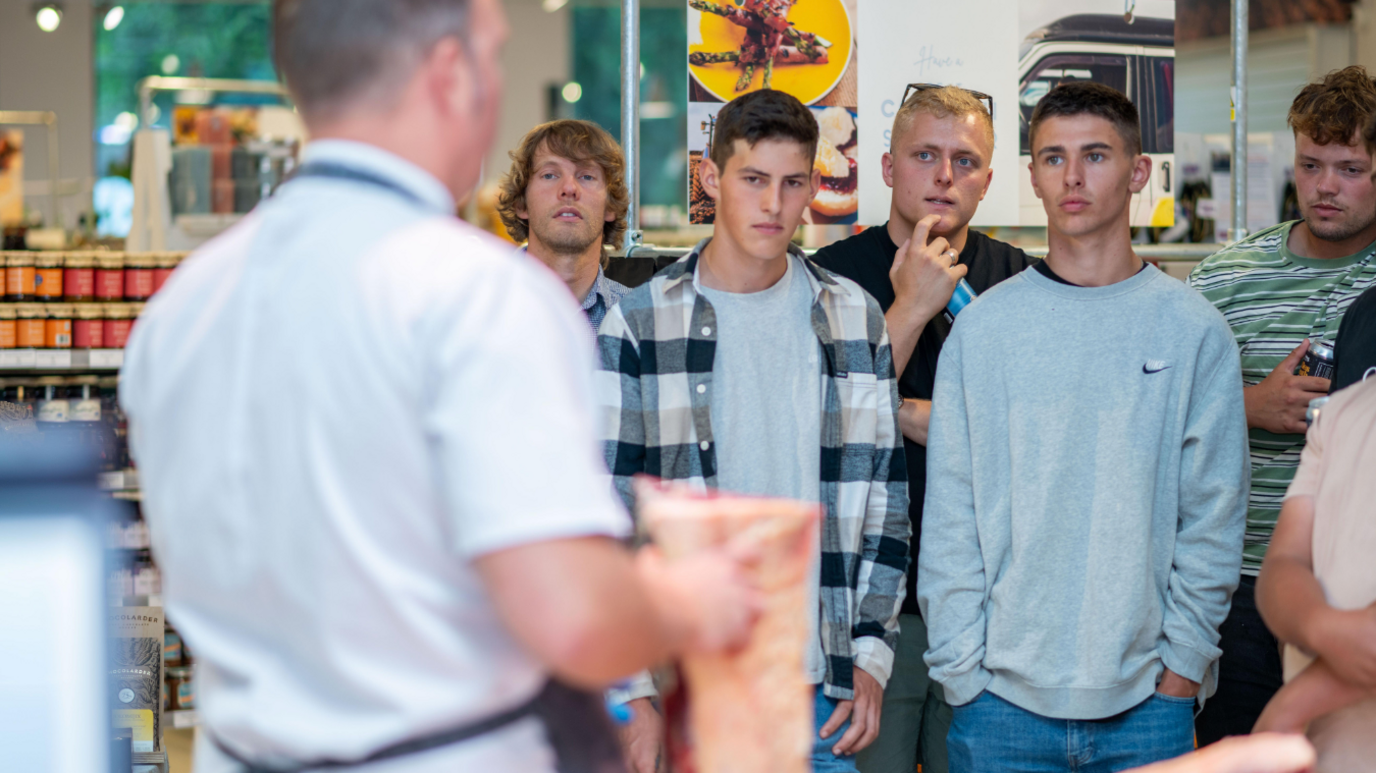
{"x":367,"y":446}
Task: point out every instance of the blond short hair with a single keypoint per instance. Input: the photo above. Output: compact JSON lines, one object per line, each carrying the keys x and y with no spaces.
{"x":944,"y":102}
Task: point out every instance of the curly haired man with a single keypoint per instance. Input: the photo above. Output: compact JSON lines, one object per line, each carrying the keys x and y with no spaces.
{"x":566,"y":194}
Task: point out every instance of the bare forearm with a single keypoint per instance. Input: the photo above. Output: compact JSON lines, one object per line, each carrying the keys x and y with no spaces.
{"x":1316,"y":691}
{"x":1290,"y":600}
{"x":905,"y":321}
{"x":914,"y":418}
{"x":581,"y":607}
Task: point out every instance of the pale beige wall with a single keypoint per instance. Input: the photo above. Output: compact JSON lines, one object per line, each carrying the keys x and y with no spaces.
{"x":536,"y":55}
{"x":51,"y":71}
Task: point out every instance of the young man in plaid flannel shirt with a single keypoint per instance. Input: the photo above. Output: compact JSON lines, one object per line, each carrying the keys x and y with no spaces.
{"x":746,"y":367}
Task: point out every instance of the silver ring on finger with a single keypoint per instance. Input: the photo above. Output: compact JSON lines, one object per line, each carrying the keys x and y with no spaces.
{"x":953,"y":255}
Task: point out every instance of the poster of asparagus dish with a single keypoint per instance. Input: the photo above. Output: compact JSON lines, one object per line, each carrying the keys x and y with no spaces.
{"x":803,"y":47}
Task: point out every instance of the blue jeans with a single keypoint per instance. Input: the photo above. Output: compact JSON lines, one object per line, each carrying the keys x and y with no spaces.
{"x":823,"y":761}
{"x":991,"y":735}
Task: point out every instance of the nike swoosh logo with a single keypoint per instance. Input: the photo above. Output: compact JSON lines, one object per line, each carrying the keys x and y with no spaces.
{"x":1155,"y":366}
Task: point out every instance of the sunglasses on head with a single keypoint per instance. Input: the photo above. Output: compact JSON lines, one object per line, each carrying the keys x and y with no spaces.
{"x":916,"y":87}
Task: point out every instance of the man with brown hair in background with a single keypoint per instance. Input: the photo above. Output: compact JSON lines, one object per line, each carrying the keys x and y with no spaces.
{"x":566,"y":193}
{"x":938,"y":167}
{"x":1281,"y":290}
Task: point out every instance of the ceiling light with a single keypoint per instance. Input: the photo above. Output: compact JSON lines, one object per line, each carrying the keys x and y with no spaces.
{"x":572,"y":92}
{"x":551,"y":6}
{"x":170,"y":64}
{"x":48,"y":16}
{"x":113,"y":17}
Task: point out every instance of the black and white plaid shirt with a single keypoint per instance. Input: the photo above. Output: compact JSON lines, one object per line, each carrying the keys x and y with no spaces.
{"x":657,"y":347}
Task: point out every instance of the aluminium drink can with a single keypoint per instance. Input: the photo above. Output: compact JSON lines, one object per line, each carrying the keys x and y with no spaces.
{"x":961,"y":298}
{"x":1318,"y":361}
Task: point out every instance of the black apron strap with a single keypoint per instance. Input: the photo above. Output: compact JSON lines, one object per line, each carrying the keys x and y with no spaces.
{"x":576,"y":723}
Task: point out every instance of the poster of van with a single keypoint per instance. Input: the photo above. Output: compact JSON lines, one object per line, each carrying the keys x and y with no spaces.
{"x":807,"y":49}
{"x":1071,"y":40}
{"x":11,"y":177}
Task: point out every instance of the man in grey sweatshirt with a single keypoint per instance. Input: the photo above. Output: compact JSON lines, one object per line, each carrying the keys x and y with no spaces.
{"x":1087,"y":480}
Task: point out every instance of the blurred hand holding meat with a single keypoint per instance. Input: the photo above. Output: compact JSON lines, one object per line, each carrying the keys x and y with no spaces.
{"x":750,"y":709}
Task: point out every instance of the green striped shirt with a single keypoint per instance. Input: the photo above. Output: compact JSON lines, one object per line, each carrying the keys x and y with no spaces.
{"x":1273,"y":299}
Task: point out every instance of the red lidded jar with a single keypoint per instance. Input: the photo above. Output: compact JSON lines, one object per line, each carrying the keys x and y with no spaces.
{"x":163,"y":268}
{"x":138,"y":277}
{"x":119,"y":319}
{"x":79,"y":278}
{"x":88,"y":326}
{"x":110,"y":278}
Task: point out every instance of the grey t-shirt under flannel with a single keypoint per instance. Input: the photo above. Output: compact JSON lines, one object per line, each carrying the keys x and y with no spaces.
{"x":767,"y":405}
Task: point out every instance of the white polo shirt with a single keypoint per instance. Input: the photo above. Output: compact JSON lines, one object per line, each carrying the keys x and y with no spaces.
{"x":335,"y":407}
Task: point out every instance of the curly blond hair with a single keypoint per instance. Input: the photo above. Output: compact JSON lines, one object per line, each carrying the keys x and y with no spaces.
{"x":576,"y":141}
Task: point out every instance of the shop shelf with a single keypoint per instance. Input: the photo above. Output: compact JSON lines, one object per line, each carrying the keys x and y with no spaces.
{"x":60,"y":359}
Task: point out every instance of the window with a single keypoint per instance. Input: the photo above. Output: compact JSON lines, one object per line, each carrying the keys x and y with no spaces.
{"x":1162,"y":74}
{"x":1065,"y":68}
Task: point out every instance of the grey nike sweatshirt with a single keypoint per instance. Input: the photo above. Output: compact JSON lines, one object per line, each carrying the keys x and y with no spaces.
{"x":1087,"y":480}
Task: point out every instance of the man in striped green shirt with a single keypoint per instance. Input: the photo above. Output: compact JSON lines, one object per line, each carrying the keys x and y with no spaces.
{"x":1280,"y":289}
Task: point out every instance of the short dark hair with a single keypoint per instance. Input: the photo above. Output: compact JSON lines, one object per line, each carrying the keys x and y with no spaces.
{"x":763,"y":115}
{"x":1090,"y":98}
{"x":332,"y":52}
{"x":576,"y":141}
{"x":1336,"y":108}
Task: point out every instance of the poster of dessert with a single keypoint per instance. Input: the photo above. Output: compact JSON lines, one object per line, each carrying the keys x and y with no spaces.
{"x":803,"y":47}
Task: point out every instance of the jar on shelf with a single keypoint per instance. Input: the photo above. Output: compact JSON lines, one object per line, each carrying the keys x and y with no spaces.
{"x":163,"y":267}
{"x":53,"y":405}
{"x":19,"y":276}
{"x":9,"y":326}
{"x":138,"y":277}
{"x":181,"y":696}
{"x":110,"y":278}
{"x":88,"y":326}
{"x":118,"y":320}
{"x":171,"y":648}
{"x":31,"y":325}
{"x":57,"y":332}
{"x":79,"y":278}
{"x":85,"y":397}
{"x":47,"y":276}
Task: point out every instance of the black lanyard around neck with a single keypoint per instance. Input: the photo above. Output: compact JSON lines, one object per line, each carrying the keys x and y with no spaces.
{"x":332,"y":171}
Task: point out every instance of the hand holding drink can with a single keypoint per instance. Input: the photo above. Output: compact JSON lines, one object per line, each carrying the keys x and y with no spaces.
{"x":1317,"y":361}
{"x":961,"y":298}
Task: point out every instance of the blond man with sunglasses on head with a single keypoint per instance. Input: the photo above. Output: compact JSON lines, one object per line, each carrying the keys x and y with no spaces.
{"x":938,"y":167}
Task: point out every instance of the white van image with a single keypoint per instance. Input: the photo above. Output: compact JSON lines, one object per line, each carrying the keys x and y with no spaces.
{"x":1137,"y":58}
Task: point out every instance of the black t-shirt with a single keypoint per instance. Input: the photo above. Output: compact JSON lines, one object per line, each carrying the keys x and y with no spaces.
{"x":1354,"y":350}
{"x":866,"y":258}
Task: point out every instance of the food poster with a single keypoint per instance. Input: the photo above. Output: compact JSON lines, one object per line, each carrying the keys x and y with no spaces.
{"x":1012,"y":50}
{"x":11,"y":177}
{"x":803,"y":47}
